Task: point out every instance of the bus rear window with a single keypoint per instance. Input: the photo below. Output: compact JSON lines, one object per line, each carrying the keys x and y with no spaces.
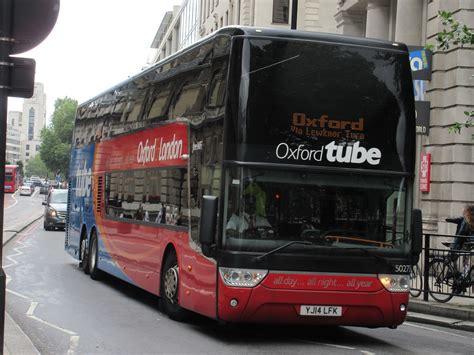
{"x":323,"y":98}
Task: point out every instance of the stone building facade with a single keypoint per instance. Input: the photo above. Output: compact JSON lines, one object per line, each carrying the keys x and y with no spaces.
{"x":14,"y":136}
{"x":450,"y":93}
{"x":27,"y":125}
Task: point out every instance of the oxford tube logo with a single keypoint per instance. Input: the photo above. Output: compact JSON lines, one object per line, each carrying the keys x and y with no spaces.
{"x":83,"y":181}
{"x":353,"y":154}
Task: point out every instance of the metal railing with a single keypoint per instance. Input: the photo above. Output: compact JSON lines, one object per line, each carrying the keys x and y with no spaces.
{"x":445,"y":272}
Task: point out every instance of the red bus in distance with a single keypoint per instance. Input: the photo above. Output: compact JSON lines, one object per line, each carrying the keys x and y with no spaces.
{"x":12,"y":178}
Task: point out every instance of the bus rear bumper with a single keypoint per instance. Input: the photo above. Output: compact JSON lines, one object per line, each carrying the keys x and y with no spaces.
{"x":264,"y":305}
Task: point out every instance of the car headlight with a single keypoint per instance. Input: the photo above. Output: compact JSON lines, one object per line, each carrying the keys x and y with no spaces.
{"x":242,"y":277}
{"x":395,"y":283}
{"x":52,"y":212}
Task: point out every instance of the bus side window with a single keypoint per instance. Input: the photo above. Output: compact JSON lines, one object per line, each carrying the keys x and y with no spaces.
{"x":216,"y":91}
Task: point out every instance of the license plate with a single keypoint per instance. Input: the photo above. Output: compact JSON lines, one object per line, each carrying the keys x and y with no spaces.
{"x":320,"y":311}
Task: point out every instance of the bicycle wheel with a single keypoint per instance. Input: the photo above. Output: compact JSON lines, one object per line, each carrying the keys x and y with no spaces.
{"x":416,"y":282}
{"x":441,"y":280}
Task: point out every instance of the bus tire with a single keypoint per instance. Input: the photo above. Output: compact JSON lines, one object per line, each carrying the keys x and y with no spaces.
{"x":83,"y":254}
{"x":169,"y":289}
{"x":94,"y":271}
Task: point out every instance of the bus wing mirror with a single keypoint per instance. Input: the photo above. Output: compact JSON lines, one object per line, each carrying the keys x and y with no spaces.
{"x":207,"y":224}
{"x":417,"y":233}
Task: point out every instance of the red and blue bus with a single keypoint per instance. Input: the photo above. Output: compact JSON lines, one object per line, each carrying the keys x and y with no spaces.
{"x":12,"y":178}
{"x":257,"y":176}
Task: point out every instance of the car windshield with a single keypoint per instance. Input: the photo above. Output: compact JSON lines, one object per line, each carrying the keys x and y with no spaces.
{"x":264,"y":209}
{"x":58,"y":197}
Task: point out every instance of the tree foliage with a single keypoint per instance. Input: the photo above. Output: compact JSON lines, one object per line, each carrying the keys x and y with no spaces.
{"x":36,"y":166}
{"x":455,"y":33}
{"x":56,"y":139}
{"x":20,"y":167}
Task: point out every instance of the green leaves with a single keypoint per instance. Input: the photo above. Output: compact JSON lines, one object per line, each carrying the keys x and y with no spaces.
{"x":456,"y":34}
{"x":36,"y":166}
{"x":56,"y":139}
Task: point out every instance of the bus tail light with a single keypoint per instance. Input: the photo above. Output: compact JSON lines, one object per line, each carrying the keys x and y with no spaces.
{"x":242,"y":277}
{"x":395,"y":283}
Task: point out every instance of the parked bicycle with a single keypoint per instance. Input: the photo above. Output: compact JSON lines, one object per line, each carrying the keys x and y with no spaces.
{"x":416,"y":281}
{"x":447,"y":280}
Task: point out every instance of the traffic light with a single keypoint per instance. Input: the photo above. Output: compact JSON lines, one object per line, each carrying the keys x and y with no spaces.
{"x":23,"y":25}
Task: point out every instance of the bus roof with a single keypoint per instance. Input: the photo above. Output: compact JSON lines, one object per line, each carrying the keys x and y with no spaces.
{"x":234,"y":31}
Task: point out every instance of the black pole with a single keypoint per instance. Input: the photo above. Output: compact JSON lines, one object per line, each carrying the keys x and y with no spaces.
{"x":5,"y":43}
{"x":294,"y":13}
{"x":426,"y":265}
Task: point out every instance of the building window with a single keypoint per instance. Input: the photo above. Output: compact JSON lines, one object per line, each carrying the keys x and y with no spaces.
{"x":31,"y":123}
{"x":27,"y":154}
{"x":280,"y":11}
{"x":37,"y":148}
{"x":27,"y":147}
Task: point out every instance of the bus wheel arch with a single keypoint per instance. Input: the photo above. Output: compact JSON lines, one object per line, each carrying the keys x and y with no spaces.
{"x":169,"y":286}
{"x":84,"y":251}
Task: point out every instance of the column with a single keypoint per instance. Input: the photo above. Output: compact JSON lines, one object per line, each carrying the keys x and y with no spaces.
{"x":378,"y":19}
{"x":350,"y":23}
{"x":408,"y":27}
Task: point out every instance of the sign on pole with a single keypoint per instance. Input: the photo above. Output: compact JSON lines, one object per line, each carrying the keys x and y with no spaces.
{"x":421,"y":61}
{"x":425,"y":172}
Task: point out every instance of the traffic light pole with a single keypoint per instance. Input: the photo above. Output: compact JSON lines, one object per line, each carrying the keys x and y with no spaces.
{"x":5,"y":43}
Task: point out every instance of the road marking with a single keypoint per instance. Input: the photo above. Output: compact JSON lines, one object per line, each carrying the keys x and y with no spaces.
{"x":325,"y":344}
{"x":32,"y":308}
{"x":18,"y":252}
{"x":334,"y":346}
{"x":30,"y":313}
{"x":436,"y":330}
{"x":14,"y":199}
{"x":73,"y":337}
{"x":73,"y":344}
{"x":18,"y":294}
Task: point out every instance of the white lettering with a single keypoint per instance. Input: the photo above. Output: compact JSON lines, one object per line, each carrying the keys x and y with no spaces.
{"x":283,"y":151}
{"x":354,"y":154}
{"x":146,"y":153}
{"x":170,"y":150}
{"x":83,"y":181}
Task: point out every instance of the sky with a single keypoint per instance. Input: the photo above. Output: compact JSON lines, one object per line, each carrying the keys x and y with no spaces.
{"x":94,"y":45}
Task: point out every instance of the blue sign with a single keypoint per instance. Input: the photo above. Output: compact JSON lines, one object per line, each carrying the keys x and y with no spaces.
{"x":421,"y":61}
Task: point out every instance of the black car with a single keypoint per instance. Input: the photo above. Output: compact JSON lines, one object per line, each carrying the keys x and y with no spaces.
{"x":55,"y":209}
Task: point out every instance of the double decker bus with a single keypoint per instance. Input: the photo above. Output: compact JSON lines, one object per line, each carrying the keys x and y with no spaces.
{"x":12,"y":178}
{"x":257,"y":176}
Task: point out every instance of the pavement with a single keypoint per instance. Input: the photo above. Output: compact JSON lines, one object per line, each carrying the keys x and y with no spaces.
{"x":458,"y":313}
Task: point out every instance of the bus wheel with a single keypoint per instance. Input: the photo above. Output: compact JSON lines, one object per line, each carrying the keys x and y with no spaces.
{"x":94,"y":271}
{"x":83,"y":255}
{"x":169,"y":289}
